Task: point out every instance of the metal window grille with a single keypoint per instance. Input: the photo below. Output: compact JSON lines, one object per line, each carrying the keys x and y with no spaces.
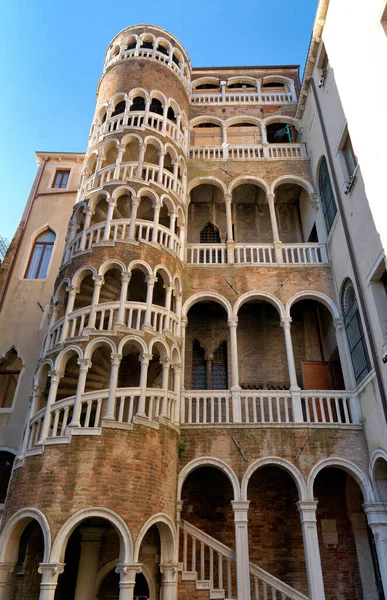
{"x":199,"y":367}
{"x":355,"y":333}
{"x":326,"y":194}
{"x":219,"y":380}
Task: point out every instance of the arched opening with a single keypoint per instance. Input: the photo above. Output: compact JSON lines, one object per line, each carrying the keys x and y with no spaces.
{"x":131,"y":43}
{"x":207,"y":342}
{"x":380,"y":479}
{"x":171,"y":115}
{"x":155,"y":368}
{"x":76,"y":224}
{"x":281,"y":133}
{"x":110,"y":152}
{"x":110,"y":292}
{"x":156,"y":107}
{"x":354,"y":330}
{"x":261,"y":347}
{"x":176,"y":58}
{"x":207,"y":494}
{"x":206,"y":86}
{"x":206,"y":209}
{"x":92,"y":544}
{"x":69,"y":381}
{"x":122,"y":209}
{"x":60,"y":303}
{"x":160,"y":288}
{"x":109,"y":588}
{"x":241,"y":85}
{"x":347,"y":550}
{"x":130,"y":367}
{"x":100,"y":211}
{"x":138,"y":104}
{"x":98,"y":374}
{"x":42,"y":382}
{"x":275,"y":85}
{"x":86,"y":289}
{"x":24,"y":581}
{"x":131,"y":150}
{"x":292,"y":209}
{"x":162,"y":49}
{"x":119,"y":108}
{"x":251,"y":216}
{"x":151,"y":153}
{"x":10,"y":369}
{"x":206,"y":134}
{"x":275,"y":534}
{"x":91,"y":164}
{"x":243,"y":134}
{"x":147,"y":43}
{"x":6,"y":464}
{"x":316,"y":355}
{"x":145,"y":211}
{"x":137,"y":287}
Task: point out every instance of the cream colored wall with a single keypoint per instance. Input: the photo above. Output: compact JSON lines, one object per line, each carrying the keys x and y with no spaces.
{"x":360,"y":218}
{"x":23,"y":317}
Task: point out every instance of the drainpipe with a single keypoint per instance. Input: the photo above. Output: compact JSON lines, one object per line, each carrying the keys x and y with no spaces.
{"x":352,"y":257}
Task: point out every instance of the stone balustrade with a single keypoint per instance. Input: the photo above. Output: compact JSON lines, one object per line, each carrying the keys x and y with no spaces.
{"x":249,"y":152}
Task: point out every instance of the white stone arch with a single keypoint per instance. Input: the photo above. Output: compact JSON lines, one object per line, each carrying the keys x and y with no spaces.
{"x":97,"y":343}
{"x":142,"y":92}
{"x":123,"y":190}
{"x":133,"y":338}
{"x":16,"y":524}
{"x":101,"y":111}
{"x":347,"y":466}
{"x":274,"y":78}
{"x":38,"y":372}
{"x":175,"y":355}
{"x":63,"y":535}
{"x":162,"y":41}
{"x":306,"y":185}
{"x":248,"y":179}
{"x":118,"y":96}
{"x":109,"y":264}
{"x":96,"y":197}
{"x":241,"y":79}
{"x":203,"y":296}
{"x":171,"y":103}
{"x":129,"y":137}
{"x":180,"y":217}
{"x":172,"y":151}
{"x":30,"y":246}
{"x":312,"y":295}
{"x":168,"y":537}
{"x":208,"y":461}
{"x":78,"y":208}
{"x":376,"y":456}
{"x":243,"y":119}
{"x":204,"y":80}
{"x":153,"y":141}
{"x":66,"y":282}
{"x":141,"y":265}
{"x":22,"y":370}
{"x":207,"y":180}
{"x":257,"y":295}
{"x":275,"y":461}
{"x":281,"y":119}
{"x":158,"y":340}
{"x":164,"y":269}
{"x":64,"y":355}
{"x":167,"y":201}
{"x":110,"y":142}
{"x":85,"y":271}
{"x":157,"y":95}
{"x":105,"y":570}
{"x":207,"y":119}
{"x":147,"y":37}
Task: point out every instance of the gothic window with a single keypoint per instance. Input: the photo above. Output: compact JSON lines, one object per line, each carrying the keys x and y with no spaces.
{"x":210,"y":234}
{"x":10,"y":367}
{"x":326,"y":194}
{"x":6,"y":463}
{"x":40,"y":255}
{"x":355,"y":334}
{"x":219,"y":380}
{"x":199,"y":367}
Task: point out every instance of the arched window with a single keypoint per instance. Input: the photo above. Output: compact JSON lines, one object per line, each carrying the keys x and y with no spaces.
{"x":10,"y":367}
{"x":6,"y":463}
{"x":326,"y":194}
{"x":209,"y":234}
{"x":199,"y":367}
{"x":40,"y":255}
{"x":355,"y":334}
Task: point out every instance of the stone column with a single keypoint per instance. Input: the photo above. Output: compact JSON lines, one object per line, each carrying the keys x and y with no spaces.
{"x":125,"y":279}
{"x":183,"y":327}
{"x":150,"y":281}
{"x":182,"y":242}
{"x":115,"y":360}
{"x":172,"y":225}
{"x":72,"y":291}
{"x":133,"y":217}
{"x":259,"y":91}
{"x":165,"y":113}
{"x":179,"y":297}
{"x":311,"y":549}
{"x":109,"y":216}
{"x":50,"y":573}
{"x":144,"y":359}
{"x":230,"y":237}
{"x":36,"y":394}
{"x":169,"y":581}
{"x":364,"y":556}
{"x":377,"y":519}
{"x":175,"y":174}
{"x":346,"y":367}
{"x":241,"y":508}
{"x":89,"y":213}
{"x":168,"y":299}
{"x":223,"y":90}
{"x":6,"y":584}
{"x":292,"y":91}
{"x":225,"y":144}
{"x":118,"y":163}
{"x":156,"y":216}
{"x":55,"y":379}
{"x":274,"y":227}
{"x":235,"y":387}
{"x":98,"y":283}
{"x":127,"y":573}
{"x":177,"y":389}
{"x":161,"y":166}
{"x":141,"y":154}
{"x":164,"y":385}
{"x":23,"y":445}
{"x":84,"y":365}
{"x":294,"y":389}
{"x":88,"y":563}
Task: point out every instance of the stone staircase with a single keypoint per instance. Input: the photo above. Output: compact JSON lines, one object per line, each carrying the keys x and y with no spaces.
{"x":211,"y":566}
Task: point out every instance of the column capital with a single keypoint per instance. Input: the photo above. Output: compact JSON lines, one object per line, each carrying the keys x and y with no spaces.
{"x":285,"y":322}
{"x":112,"y":202}
{"x":128,"y":571}
{"x":314,"y":200}
{"x":6,"y":568}
{"x":145,"y":358}
{"x":270,"y":197}
{"x":84,"y":364}
{"x":338,"y":323}
{"x":151,"y":279}
{"x":125,"y":277}
{"x":89,"y":211}
{"x":176,"y":367}
{"x":98,"y":279}
{"x":169,"y":572}
{"x":228,"y":197}
{"x":72,"y":290}
{"x":115,"y":359}
{"x":55,"y":375}
{"x":307,"y":510}
{"x":376,"y":514}
{"x":50,"y":570}
{"x":136,"y":200}
{"x":240,"y":508}
{"x":232,"y":322}
{"x":184,"y":322}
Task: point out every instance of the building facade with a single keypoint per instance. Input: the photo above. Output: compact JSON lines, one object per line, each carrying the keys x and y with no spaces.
{"x":193,"y":319}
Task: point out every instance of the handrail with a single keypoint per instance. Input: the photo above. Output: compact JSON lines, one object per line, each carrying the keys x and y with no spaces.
{"x":207,"y":539}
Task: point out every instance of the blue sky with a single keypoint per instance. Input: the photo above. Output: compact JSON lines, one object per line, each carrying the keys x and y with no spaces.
{"x":52,"y":55}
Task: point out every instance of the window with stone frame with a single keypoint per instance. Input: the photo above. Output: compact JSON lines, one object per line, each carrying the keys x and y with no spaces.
{"x":61,"y":178}
{"x":10,"y":368}
{"x":355,"y":333}
{"x":328,"y":201}
{"x":40,"y":255}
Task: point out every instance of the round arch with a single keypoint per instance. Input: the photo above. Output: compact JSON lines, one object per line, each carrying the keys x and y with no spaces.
{"x":243,"y":119}
{"x":133,"y":338}
{"x":208,"y":461}
{"x":275,"y":461}
{"x":281,"y":119}
{"x":123,"y":190}
{"x":141,"y":265}
{"x":168,"y":537}
{"x":166,"y":271}
{"x":109,"y":264}
{"x":204,"y":80}
{"x":209,"y":296}
{"x":308,"y":187}
{"x":129,"y":137}
{"x":63,"y":535}
{"x":157,"y":340}
{"x":206,"y":119}
{"x":207,"y":180}
{"x":97,"y":343}
{"x":345,"y":465}
{"x":96,"y":197}
{"x":38,"y":373}
{"x":64,"y":355}
{"x":259,"y":296}
{"x":77,"y":277}
{"x":243,"y":179}
{"x":10,"y":536}
{"x":242,"y":80}
{"x":312,"y":295}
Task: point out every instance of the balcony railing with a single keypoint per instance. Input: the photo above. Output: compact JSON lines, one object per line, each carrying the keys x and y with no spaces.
{"x":124,"y":171}
{"x":249,"y":152}
{"x":106,"y":317}
{"x":266,"y":407}
{"x":242,"y":98}
{"x":256,"y":254}
{"x":119,"y":232}
{"x":135,"y":120}
{"x":93,"y":407}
